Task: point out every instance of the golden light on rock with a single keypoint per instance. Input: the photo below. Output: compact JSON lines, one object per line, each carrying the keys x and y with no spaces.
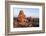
{"x":21,"y":18}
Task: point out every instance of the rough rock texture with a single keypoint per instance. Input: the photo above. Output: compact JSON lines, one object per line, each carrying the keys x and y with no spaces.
{"x":22,"y":20}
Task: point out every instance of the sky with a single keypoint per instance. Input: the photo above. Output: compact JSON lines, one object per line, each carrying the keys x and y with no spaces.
{"x":33,"y":12}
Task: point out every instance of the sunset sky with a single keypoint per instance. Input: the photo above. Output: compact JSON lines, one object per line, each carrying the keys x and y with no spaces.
{"x":33,"y":12}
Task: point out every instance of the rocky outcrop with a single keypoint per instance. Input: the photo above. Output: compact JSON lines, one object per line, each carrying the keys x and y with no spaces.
{"x":22,"y":20}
